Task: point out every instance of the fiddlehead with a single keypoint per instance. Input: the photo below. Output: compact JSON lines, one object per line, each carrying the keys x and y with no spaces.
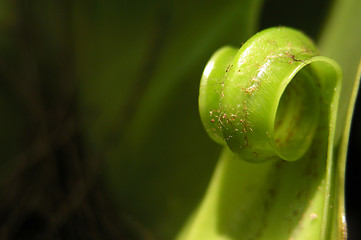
{"x":263,"y":100}
{"x":274,"y":99}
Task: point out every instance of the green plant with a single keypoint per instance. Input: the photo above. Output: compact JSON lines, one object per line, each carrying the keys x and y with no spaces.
{"x":241,"y":106}
{"x":273,"y":100}
{"x":269,"y":200}
{"x":100,"y":127}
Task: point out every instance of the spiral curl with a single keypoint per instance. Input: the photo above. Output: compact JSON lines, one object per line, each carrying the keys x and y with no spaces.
{"x":263,"y":100}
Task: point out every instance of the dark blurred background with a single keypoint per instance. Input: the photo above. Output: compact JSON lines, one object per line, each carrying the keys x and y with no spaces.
{"x":99,"y":135}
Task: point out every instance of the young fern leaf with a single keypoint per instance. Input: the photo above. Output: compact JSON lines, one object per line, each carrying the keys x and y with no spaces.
{"x":273,"y":104}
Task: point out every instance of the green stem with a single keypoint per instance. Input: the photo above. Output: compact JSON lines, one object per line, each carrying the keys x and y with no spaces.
{"x":272,"y":100}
